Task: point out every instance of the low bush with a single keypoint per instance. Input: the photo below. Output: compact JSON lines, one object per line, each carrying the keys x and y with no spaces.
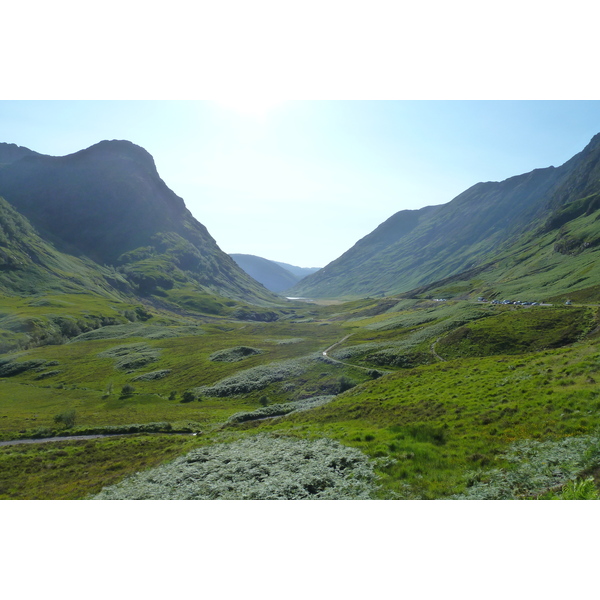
{"x":66,"y":418}
{"x":257,"y":468}
{"x":46,"y":374}
{"x":275,"y":410}
{"x":538,"y":468}
{"x":131,"y":356}
{"x":152,"y":375}
{"x":308,"y":403}
{"x":257,"y":378}
{"x":234,"y":354}
{"x":346,"y":384}
{"x":10,"y":367}
{"x":187,"y":396}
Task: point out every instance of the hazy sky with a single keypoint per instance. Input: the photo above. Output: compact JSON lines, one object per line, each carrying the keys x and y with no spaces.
{"x":302,"y":181}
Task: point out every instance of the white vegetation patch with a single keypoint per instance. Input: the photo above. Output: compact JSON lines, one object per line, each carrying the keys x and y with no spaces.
{"x":131,"y":356}
{"x":258,"y":377}
{"x":257,"y":468}
{"x":234,"y":354}
{"x":539,"y":467}
{"x":132,"y":330}
{"x":277,"y":410}
{"x":308,"y":403}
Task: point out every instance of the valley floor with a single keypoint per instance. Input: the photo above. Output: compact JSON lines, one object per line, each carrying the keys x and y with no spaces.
{"x":385,"y":398}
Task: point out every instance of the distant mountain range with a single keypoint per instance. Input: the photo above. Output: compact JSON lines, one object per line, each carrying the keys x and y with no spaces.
{"x":480,"y":237}
{"x":275,"y":276}
{"x":103,"y":220}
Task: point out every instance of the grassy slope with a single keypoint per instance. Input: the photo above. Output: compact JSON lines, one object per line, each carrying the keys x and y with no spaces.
{"x":554,"y":262}
{"x":417,"y":247}
{"x":427,"y":422}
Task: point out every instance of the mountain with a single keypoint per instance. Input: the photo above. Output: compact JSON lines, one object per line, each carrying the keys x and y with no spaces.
{"x":28,"y":264}
{"x":107,"y":204}
{"x":414,"y":249}
{"x":273,"y":276}
{"x":300,"y":272}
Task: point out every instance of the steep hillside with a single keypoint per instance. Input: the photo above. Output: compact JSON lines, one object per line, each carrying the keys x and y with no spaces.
{"x":273,"y":276}
{"x":109,"y":204}
{"x":559,"y":260}
{"x":29,"y":265}
{"x":416,"y":248}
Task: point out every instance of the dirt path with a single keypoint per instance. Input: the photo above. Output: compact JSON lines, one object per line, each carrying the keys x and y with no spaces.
{"x":68,"y":438}
{"x":435,"y":354}
{"x":64,"y":438}
{"x":333,"y":346}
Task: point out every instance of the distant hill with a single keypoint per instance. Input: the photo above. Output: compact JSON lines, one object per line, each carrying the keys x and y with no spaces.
{"x":417,"y":249}
{"x":275,"y":276}
{"x":300,"y":272}
{"x":107,"y":205}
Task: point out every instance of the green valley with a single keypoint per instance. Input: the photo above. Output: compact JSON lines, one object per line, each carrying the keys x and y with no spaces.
{"x":443,"y":357}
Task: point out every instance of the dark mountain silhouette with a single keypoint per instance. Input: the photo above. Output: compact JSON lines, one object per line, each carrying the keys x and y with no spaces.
{"x":107,"y":203}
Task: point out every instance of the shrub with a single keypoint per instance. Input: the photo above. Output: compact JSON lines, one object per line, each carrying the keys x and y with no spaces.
{"x":66,"y":418}
{"x":233,"y":354}
{"x":275,"y":410}
{"x":46,"y":374}
{"x":346,"y":384}
{"x":9,"y":367}
{"x":257,"y":378}
{"x":188,"y":396}
{"x":538,"y":468}
{"x":257,"y":468}
{"x":131,"y":356}
{"x":374,"y":373}
{"x":308,"y":403}
{"x":152,"y":375}
{"x":127,"y":390}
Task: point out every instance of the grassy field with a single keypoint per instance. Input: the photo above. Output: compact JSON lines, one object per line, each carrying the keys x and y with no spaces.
{"x":434,"y":395}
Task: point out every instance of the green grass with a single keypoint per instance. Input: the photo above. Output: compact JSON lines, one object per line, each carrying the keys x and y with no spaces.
{"x":525,"y":329}
{"x":77,"y":469}
{"x":436,"y":423}
{"x":427,"y":425}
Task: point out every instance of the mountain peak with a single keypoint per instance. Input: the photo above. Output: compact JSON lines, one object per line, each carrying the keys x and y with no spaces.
{"x":117,"y":149}
{"x":11,"y":152}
